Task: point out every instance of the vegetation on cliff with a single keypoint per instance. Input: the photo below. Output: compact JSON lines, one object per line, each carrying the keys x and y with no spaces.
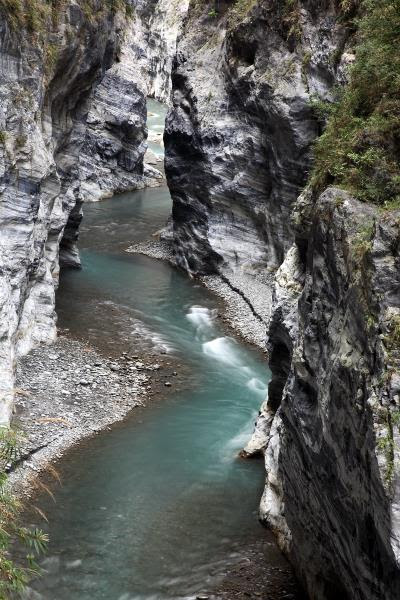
{"x":360,"y":147}
{"x":35,"y":15}
{"x":14,"y":574}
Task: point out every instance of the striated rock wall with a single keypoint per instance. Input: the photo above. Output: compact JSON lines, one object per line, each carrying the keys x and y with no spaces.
{"x":46,"y":78}
{"x":165,"y":24}
{"x":113,"y":155}
{"x":330,"y":443}
{"x":74,"y":77}
{"x":238,"y":150}
{"x":239,"y":134}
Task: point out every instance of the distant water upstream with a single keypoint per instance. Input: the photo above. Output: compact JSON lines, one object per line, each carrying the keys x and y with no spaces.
{"x":160,"y":507}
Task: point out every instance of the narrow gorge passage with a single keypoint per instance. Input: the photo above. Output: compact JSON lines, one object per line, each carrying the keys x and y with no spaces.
{"x":160,"y":507}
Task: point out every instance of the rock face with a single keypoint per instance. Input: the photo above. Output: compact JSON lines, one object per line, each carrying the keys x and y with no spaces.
{"x":113,"y":155}
{"x":73,"y":83}
{"x":45,"y":87}
{"x":238,"y":150}
{"x":239,"y":134}
{"x":164,"y":27}
{"x":331,"y":450}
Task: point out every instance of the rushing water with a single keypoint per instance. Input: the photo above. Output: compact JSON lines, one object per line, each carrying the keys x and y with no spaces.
{"x":160,"y":507}
{"x":156,"y":114}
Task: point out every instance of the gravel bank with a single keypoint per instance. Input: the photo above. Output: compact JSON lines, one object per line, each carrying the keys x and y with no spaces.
{"x":67,"y":392}
{"x":247,"y":296}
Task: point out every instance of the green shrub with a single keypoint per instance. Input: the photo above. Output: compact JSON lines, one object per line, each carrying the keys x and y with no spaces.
{"x":3,"y":137}
{"x":51,"y":54}
{"x":362,"y":243}
{"x":392,"y":338}
{"x":14,"y":574}
{"x":292,"y":18}
{"x":360,"y":147}
{"x":129,"y":11}
{"x":239,"y":11}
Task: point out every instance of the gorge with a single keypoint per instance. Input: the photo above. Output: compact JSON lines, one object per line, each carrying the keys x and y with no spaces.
{"x":306,"y":259}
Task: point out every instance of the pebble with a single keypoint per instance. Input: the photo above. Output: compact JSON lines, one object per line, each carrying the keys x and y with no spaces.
{"x":70,"y":398}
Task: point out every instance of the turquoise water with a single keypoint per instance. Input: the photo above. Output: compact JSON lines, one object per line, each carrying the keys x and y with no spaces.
{"x":156,"y":114}
{"x":161,"y":506}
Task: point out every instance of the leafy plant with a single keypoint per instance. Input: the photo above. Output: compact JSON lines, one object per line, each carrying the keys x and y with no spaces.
{"x":129,"y":11}
{"x":15,"y":574}
{"x":362,"y":242}
{"x":387,"y":445}
{"x":291,"y":17}
{"x":51,"y":54}
{"x":392,"y":339}
{"x":239,"y":11}
{"x":360,"y":147}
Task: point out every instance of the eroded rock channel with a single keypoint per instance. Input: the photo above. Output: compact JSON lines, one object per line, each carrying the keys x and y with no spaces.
{"x":160,"y":507}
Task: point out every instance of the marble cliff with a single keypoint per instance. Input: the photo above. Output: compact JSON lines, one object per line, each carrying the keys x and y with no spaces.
{"x":74,"y":77}
{"x":239,"y":142}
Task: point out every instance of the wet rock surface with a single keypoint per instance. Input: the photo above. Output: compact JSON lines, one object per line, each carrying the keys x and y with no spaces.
{"x":255,"y":578}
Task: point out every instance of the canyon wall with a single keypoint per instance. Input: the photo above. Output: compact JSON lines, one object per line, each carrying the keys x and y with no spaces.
{"x":238,"y":153}
{"x":239,"y":135}
{"x":74,"y":77}
{"x":113,"y":155}
{"x":48,"y":71}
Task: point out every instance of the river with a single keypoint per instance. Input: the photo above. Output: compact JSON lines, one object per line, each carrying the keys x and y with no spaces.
{"x":161,"y":506}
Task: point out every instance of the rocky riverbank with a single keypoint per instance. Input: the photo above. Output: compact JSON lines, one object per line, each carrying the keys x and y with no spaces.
{"x":247,"y":296}
{"x":68,"y":391}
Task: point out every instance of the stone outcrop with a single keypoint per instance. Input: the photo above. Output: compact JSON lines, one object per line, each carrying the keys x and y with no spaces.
{"x":330,"y":442}
{"x":164,"y":27}
{"x":238,"y":151}
{"x":45,"y":84}
{"x":239,"y":134}
{"x":113,"y":155}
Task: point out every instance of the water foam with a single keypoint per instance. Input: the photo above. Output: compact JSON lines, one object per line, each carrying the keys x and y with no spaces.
{"x":160,"y":344}
{"x":224,"y":349}
{"x":230,"y":450}
{"x":256,"y":385}
{"x":203,"y":320}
